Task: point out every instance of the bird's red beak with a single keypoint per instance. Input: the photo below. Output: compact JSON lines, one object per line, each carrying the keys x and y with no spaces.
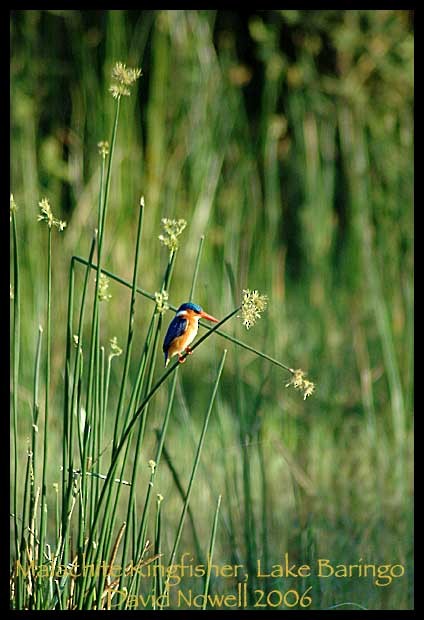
{"x":204,"y":315}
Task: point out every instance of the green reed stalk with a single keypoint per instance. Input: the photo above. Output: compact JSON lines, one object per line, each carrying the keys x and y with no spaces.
{"x":35,"y":414}
{"x":179,"y":486}
{"x":228,"y":523}
{"x":196,"y":268}
{"x":102,"y":400}
{"x":138,"y":390}
{"x":102,"y":413}
{"x":157,"y":583}
{"x":97,"y":422}
{"x":15,"y":371}
{"x":75,"y":412}
{"x":93,"y":370}
{"x":141,"y":539}
{"x":107,"y":381}
{"x":195,"y":465}
{"x":142,"y":369}
{"x":112,"y":501}
{"x":67,"y":411}
{"x":43,"y":520}
{"x":249,"y":529}
{"x":110,"y":514}
{"x":143,"y":526}
{"x":139,"y":441}
{"x":130,"y":333}
{"x":32,"y":461}
{"x":73,"y":401}
{"x":211,"y":550}
{"x":108,"y":173}
{"x":102,"y":211}
{"x":22,"y":555}
{"x":95,"y":321}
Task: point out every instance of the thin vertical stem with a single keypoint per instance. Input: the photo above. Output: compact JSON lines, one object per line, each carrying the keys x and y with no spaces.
{"x":143,"y":524}
{"x":16,"y":351}
{"x":67,"y":410}
{"x":43,"y":520}
{"x":35,"y":410}
{"x":74,"y":404}
{"x":158,"y":530}
{"x":211,"y":550}
{"x":165,"y":285}
{"x":196,"y":267}
{"x":93,"y":358}
{"x":195,"y":465}
{"x":130,"y":332}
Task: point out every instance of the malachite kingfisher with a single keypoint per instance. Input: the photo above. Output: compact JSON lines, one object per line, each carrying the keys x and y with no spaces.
{"x":182,"y":331}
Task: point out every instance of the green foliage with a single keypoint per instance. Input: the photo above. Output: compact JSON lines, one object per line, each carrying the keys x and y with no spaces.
{"x":285,"y":142}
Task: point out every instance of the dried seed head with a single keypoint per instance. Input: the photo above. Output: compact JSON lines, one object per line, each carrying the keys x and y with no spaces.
{"x":103,"y":147}
{"x":152,"y":465}
{"x":125,"y":75}
{"x":172,"y":230}
{"x":102,"y":292}
{"x":161,"y":299}
{"x":299,"y":382}
{"x":114,"y":347}
{"x":46,"y":215}
{"x":119,"y":91}
{"x":252,"y":306}
{"x":122,"y":78}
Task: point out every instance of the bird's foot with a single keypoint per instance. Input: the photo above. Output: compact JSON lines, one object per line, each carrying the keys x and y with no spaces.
{"x":181,"y":359}
{"x":189,"y":351}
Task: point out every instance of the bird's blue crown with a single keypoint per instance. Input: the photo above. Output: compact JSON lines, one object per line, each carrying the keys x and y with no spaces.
{"x":190,"y":306}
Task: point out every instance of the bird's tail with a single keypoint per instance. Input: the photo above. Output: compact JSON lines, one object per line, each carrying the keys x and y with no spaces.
{"x":167,"y":359}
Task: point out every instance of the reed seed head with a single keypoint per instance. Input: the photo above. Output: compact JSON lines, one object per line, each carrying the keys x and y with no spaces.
{"x":161,"y":302}
{"x":252,"y":306}
{"x":299,"y":382}
{"x":115,"y":349}
{"x":103,"y":147}
{"x":122,"y":78}
{"x":46,"y":215}
{"x":172,"y":230}
{"x":103,"y":289}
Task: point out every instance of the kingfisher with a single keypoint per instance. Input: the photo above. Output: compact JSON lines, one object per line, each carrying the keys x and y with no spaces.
{"x":182,"y":331}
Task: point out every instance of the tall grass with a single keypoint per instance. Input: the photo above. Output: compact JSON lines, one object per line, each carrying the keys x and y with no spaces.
{"x":291,"y":160}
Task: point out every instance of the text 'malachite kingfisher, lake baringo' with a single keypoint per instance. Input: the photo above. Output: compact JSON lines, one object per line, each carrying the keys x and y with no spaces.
{"x":182,"y":330}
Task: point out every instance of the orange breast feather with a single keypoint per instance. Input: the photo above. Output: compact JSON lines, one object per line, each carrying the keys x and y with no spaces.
{"x":179,"y":344}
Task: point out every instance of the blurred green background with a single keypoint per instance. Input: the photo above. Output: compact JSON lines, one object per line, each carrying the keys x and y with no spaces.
{"x":286,"y":138}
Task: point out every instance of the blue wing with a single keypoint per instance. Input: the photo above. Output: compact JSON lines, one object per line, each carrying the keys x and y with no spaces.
{"x":176,"y":328}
